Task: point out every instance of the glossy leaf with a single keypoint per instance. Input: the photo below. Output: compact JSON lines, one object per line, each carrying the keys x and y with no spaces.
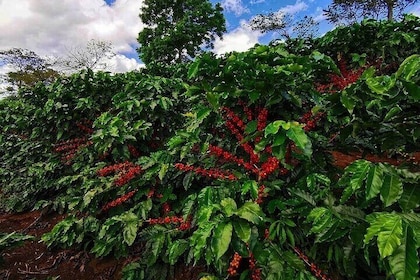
{"x":221,"y":239}
{"x":391,"y":190}
{"x":404,"y":261}
{"x":242,"y":230}
{"x":251,"y":212}
{"x":374,"y":182}
{"x":387,"y":227}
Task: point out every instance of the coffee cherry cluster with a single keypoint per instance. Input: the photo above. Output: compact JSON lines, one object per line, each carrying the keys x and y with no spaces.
{"x":341,"y":81}
{"x":267,"y":234}
{"x":234,"y":264}
{"x":85,"y":127}
{"x":261,"y":194}
{"x":262,"y":119}
{"x":118,"y":201}
{"x":317,"y":272}
{"x":247,"y":110}
{"x":166,"y":208}
{"x":152,"y":193}
{"x":211,"y":173}
{"x":310,"y":120}
{"x":255,"y":272}
{"x":133,"y":151}
{"x":225,"y":155}
{"x":237,"y":127}
{"x":69,"y":148}
{"x":126,"y":171}
{"x":183,"y":224}
{"x":268,"y":167}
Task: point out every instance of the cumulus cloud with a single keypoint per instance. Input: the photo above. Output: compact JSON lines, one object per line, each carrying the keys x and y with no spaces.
{"x":299,"y":6}
{"x":50,"y":27}
{"x":121,"y":64}
{"x":235,"y":6}
{"x":240,"y":39}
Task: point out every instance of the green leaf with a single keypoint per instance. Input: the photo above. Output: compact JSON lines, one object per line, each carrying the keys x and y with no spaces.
{"x":213,"y":99}
{"x":155,"y":246}
{"x":413,"y":90}
{"x":348,"y":101}
{"x":250,"y":186}
{"x":321,"y":218}
{"x":204,"y":214}
{"x":391,"y":190}
{"x":205,"y":197}
{"x":242,"y":230}
{"x":229,"y":206}
{"x":354,"y":176}
{"x":394,"y":111}
{"x":381,"y":84}
{"x":388,"y":229}
{"x":297,"y":135}
{"x":409,"y":67}
{"x":404,"y":262}
{"x":279,"y":139}
{"x":193,"y":69}
{"x":199,"y":239}
{"x":410,"y":198}
{"x":274,"y":127}
{"x":163,"y":169}
{"x":251,"y":212}
{"x":130,"y":221}
{"x":221,"y":239}
{"x":176,"y":249}
{"x":251,"y":127}
{"x":374,"y":182}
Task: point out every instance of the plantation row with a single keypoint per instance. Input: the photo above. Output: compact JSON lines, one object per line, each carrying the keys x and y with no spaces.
{"x":233,"y":162}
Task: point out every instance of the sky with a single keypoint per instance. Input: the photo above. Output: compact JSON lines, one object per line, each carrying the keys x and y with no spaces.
{"x":52,"y":28}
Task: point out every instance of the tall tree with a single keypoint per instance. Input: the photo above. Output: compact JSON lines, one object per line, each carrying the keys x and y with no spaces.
{"x":350,"y":11}
{"x":29,"y":67}
{"x":95,"y":56}
{"x":285,"y":25}
{"x":176,"y":30}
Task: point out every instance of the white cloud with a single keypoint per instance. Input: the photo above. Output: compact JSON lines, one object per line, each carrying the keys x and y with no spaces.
{"x":235,"y":6}
{"x":121,"y":63}
{"x":240,"y":39}
{"x":50,"y":27}
{"x":319,"y":15}
{"x":252,"y":2}
{"x":299,"y":6}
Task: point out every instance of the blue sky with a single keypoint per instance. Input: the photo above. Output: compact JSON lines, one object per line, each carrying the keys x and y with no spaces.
{"x":51,"y":28}
{"x":237,"y":10}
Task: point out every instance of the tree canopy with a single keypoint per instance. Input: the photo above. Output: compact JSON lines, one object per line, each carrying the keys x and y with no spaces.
{"x":29,"y":67}
{"x":350,"y":11}
{"x":175,"y":31}
{"x":285,"y":25}
{"x":92,"y":56}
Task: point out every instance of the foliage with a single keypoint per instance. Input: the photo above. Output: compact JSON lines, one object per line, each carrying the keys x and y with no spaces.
{"x":176,"y":30}
{"x":92,"y":56}
{"x":284,"y":24}
{"x":9,"y":240}
{"x":350,"y":11}
{"x":230,"y":165}
{"x":29,"y":67}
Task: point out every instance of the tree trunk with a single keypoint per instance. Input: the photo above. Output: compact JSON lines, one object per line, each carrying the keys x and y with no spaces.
{"x":390,"y":8}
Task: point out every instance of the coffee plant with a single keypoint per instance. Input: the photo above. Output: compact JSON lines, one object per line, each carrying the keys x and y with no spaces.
{"x":235,"y":162}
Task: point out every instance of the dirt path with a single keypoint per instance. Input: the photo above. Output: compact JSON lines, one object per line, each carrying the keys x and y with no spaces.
{"x":33,"y":260}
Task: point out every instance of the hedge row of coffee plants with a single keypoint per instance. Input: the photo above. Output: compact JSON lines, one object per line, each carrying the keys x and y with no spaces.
{"x":232,"y":165}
